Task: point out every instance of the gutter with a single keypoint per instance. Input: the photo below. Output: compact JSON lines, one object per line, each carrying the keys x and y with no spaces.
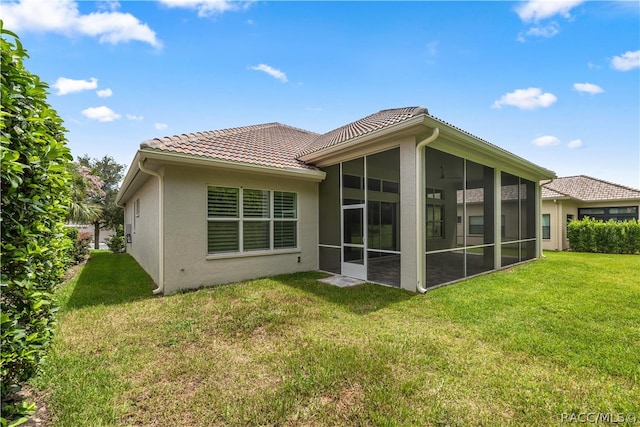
{"x":420,"y":201}
{"x":160,"y":288}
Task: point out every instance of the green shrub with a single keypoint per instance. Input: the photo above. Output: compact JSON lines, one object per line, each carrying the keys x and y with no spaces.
{"x":35,"y":197}
{"x":614,"y":237}
{"x":115,"y":242}
{"x":78,"y":245}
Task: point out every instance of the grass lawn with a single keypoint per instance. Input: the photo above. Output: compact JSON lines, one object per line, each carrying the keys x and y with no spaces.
{"x":518,"y":347}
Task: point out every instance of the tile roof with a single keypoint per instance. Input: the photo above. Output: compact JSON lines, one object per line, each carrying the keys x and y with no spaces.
{"x":371,"y":123}
{"x":270,"y":144}
{"x":278,"y":145}
{"x":586,"y":188}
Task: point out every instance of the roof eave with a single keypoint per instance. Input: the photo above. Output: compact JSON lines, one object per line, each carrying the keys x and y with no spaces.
{"x":427,"y":121}
{"x":612,"y":200}
{"x":515,"y":161}
{"x":307,"y":174}
{"x":185,"y":159}
{"x":129,"y":178}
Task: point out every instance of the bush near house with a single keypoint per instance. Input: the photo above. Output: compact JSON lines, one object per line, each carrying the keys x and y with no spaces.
{"x":614,"y":237}
{"x":115,"y":242}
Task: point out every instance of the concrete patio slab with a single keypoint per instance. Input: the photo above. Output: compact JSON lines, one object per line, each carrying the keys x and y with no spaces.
{"x":342,"y":281}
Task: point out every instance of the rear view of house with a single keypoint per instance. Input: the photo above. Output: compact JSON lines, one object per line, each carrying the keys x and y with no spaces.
{"x":399,"y":197}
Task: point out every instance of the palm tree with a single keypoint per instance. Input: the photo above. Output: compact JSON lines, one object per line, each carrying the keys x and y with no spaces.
{"x":85,"y":187}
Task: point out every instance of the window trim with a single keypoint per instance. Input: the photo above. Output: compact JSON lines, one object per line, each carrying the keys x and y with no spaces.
{"x":241,"y":220}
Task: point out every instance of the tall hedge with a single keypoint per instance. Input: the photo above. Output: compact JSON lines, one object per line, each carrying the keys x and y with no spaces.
{"x":35,"y":198}
{"x":614,"y":237}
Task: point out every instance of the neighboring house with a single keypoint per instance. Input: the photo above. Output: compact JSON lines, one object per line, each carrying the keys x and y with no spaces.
{"x":89,"y":228}
{"x":376,"y":199}
{"x":575,"y":197}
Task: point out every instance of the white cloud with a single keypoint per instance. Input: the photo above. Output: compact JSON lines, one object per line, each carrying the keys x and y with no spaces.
{"x":536,"y":10}
{"x":546,"y":141}
{"x":275,"y":73}
{"x":576,"y":143}
{"x":208,"y":7}
{"x":101,"y":114}
{"x":134,"y":117}
{"x":546,"y":31}
{"x":627,"y":61}
{"x":587,"y":88}
{"x":66,"y":86}
{"x":526,"y":99}
{"x":63,"y":17}
{"x":104,"y":93}
{"x":160,"y":126}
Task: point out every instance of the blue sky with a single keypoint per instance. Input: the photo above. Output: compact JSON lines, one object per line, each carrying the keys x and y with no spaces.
{"x":557,"y":83}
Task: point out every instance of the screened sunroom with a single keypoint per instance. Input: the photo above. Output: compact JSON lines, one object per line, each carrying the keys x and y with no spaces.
{"x":472,"y":214}
{"x":426,"y":207}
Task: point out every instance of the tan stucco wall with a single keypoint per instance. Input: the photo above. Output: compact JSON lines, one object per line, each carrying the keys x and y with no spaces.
{"x":186,"y":264}
{"x":144,"y":228}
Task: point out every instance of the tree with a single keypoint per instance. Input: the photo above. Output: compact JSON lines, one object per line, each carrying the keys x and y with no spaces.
{"x":85,"y":188}
{"x":35,"y":198}
{"x":111,"y":173}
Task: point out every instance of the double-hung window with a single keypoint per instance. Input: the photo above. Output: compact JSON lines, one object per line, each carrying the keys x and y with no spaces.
{"x":245,"y":220}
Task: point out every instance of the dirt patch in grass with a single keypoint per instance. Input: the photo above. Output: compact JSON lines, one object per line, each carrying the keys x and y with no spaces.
{"x":42,"y":416}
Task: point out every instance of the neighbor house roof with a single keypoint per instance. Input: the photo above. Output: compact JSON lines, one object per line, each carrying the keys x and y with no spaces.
{"x":588,"y":189}
{"x":270,"y":144}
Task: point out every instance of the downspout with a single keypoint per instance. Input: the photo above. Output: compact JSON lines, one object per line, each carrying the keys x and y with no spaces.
{"x":160,"y":288}
{"x":420,"y":202}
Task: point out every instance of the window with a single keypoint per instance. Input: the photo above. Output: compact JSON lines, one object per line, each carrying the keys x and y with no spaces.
{"x":618,"y":213}
{"x":256,"y":224}
{"x":546,"y":226}
{"x":250,"y":220}
{"x":435,"y":214}
{"x":137,"y":207}
{"x":434,"y":193}
{"x":352,"y":181}
{"x":476,"y":224}
{"x":285,"y":223}
{"x":390,"y":187}
{"x":374,"y":184}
